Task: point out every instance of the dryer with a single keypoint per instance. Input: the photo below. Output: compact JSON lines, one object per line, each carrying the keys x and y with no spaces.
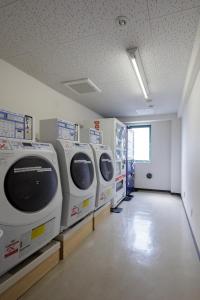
{"x":105,"y":174}
{"x":30,"y":199}
{"x":77,"y":169}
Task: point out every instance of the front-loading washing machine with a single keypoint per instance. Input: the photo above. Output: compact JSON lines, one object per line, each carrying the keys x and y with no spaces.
{"x":30,"y":199}
{"x":78,"y":180}
{"x":77,"y":169}
{"x":105,"y":174}
{"x":104,"y":165}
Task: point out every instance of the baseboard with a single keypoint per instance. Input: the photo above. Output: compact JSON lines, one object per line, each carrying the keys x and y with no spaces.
{"x":176,"y":194}
{"x":157,"y":190}
{"x":152,"y":190}
{"x":192,"y":233}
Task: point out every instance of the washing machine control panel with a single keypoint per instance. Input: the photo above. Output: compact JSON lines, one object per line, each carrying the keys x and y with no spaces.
{"x":18,"y":145}
{"x":101,"y":147}
{"x":72,"y":145}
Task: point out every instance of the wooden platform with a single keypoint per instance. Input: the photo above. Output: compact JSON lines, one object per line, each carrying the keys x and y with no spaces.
{"x":73,"y":237}
{"x":101,"y":214}
{"x":21,"y":278}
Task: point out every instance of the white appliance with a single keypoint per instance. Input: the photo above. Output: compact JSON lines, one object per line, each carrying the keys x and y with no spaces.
{"x":104,"y":165}
{"x":30,"y":199}
{"x":77,"y":169}
{"x":91,"y":135}
{"x":105,"y":174}
{"x":114,"y":135}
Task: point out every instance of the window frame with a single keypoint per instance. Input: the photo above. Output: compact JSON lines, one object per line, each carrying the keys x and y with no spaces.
{"x":142,"y":126}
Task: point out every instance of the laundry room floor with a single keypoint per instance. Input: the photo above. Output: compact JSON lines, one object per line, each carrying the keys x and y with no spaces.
{"x":144,"y":253}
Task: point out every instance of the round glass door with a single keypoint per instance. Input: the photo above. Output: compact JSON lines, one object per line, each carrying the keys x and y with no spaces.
{"x":106,"y":167}
{"x":82,"y":171}
{"x":30,"y":184}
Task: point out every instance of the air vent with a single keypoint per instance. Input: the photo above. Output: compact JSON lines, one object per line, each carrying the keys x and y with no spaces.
{"x":82,"y":86}
{"x":145,"y":111}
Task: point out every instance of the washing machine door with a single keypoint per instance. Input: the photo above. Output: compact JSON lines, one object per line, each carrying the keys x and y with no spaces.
{"x":30,"y":183}
{"x":82,"y":170}
{"x":106,"y":167}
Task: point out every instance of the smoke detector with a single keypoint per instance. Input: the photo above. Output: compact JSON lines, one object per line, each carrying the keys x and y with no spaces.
{"x":122,"y":21}
{"x":82,"y":86}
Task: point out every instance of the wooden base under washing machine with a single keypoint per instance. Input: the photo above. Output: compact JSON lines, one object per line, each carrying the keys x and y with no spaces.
{"x":71,"y":238}
{"x":101,"y":214}
{"x":21,"y":278}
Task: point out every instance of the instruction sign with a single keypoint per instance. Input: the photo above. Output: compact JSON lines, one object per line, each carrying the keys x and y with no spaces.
{"x":16,"y":126}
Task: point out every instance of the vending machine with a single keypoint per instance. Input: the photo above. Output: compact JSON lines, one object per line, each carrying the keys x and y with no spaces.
{"x":130,"y":166}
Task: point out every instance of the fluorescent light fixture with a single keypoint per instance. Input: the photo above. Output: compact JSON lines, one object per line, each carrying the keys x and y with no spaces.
{"x":137,"y":65}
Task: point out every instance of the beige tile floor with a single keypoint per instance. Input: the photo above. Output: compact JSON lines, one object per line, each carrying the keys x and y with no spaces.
{"x":144,"y":253}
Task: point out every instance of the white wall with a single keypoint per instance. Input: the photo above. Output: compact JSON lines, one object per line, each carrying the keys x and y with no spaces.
{"x":160,"y":165}
{"x":176,"y":156}
{"x":22,"y":93}
{"x":148,"y":118}
{"x":191,"y":158}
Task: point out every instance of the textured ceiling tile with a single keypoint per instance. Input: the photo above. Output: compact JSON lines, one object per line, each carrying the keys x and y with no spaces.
{"x":4,"y":3}
{"x":174,"y":35}
{"x":158,"y":8}
{"x":173,"y":38}
{"x":112,"y":9}
{"x":102,"y":57}
{"x":18,"y":29}
{"x":65,"y":21}
{"x":95,"y":58}
{"x":27,"y":24}
{"x":60,"y":40}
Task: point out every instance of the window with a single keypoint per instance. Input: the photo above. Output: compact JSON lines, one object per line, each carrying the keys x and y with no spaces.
{"x":139,"y":139}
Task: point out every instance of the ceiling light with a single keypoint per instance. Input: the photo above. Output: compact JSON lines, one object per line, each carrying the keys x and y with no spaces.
{"x":137,"y":65}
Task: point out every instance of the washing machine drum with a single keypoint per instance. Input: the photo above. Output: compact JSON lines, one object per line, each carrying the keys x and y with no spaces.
{"x":30,"y":183}
{"x":106,"y":167}
{"x":82,"y":171}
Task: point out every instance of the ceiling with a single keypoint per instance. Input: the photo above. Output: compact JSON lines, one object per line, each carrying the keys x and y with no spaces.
{"x":62,"y":40}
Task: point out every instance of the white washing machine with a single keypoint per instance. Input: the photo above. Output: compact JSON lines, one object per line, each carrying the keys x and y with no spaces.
{"x":105,"y":174}
{"x":77,"y":169}
{"x":78,"y":180}
{"x":104,"y":165}
{"x":30,"y":199}
{"x":114,"y":135}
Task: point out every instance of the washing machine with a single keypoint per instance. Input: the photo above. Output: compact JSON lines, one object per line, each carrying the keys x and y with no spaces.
{"x":105,"y":174}
{"x":30,"y":199}
{"x":104,"y":165}
{"x":78,"y":180}
{"x":77,"y":169}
